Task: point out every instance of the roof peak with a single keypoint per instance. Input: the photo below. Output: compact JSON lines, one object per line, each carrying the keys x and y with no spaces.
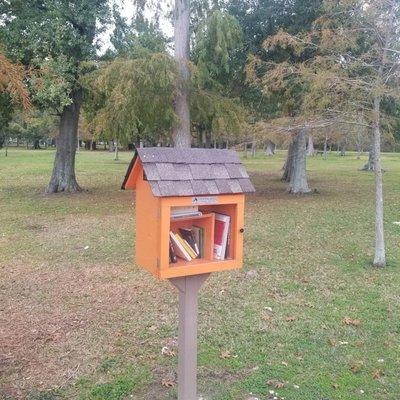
{"x":187,"y":156}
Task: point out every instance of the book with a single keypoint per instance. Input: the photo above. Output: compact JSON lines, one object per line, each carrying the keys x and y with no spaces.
{"x":198,"y":234}
{"x":180,"y":250}
{"x":228,"y":245}
{"x":184,"y":212}
{"x":186,"y":246}
{"x":221,"y":230}
{"x":188,"y":235}
{"x":172,"y":254}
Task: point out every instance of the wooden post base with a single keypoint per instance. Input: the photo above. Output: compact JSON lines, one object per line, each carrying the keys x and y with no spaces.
{"x":187,"y":342}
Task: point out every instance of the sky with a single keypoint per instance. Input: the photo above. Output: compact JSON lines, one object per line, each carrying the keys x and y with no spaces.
{"x":127,"y":10}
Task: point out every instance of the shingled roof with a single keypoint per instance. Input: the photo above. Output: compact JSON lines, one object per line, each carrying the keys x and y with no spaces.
{"x":192,"y":172}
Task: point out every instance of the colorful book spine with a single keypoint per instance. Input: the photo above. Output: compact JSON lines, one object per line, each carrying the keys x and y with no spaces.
{"x":180,"y":250}
{"x":186,"y":246}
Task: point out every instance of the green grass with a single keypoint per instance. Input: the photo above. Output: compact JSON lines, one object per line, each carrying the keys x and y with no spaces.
{"x":82,"y":322}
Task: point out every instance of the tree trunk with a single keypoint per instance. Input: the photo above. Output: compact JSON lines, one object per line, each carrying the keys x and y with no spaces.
{"x":359,"y":150}
{"x":326,"y":148}
{"x":111,"y":148}
{"x":310,"y":147}
{"x":36,"y":144}
{"x":270,"y":149}
{"x":342,"y":150}
{"x":380,"y":253}
{"x":288,"y":166}
{"x":181,"y":130}
{"x":370,"y":164}
{"x":298,"y":180}
{"x":116,"y":158}
{"x":208,"y":140}
{"x":253,"y":148}
{"x":63,"y":178}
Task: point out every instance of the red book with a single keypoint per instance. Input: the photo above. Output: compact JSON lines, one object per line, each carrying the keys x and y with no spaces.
{"x":221,"y":230}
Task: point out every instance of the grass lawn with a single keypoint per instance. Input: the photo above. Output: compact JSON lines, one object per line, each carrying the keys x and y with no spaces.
{"x":307,"y":317}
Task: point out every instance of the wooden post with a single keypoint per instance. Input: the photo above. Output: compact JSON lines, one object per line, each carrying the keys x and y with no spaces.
{"x":188,"y":287}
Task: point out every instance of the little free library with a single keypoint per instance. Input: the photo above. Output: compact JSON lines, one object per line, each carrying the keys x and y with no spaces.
{"x":189,"y":210}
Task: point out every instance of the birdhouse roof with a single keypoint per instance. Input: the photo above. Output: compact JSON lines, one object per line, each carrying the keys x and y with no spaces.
{"x":189,"y":172}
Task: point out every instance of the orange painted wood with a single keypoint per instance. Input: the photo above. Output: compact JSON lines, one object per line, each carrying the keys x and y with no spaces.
{"x":153,"y":224}
{"x":147,"y":227}
{"x":198,"y":268}
{"x":134,"y":175}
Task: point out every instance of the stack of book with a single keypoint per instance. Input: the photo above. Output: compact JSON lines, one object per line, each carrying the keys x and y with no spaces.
{"x":185,"y":212}
{"x":187,"y":244}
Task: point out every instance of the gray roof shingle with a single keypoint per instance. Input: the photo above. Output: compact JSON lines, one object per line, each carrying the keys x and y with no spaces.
{"x":192,"y":172}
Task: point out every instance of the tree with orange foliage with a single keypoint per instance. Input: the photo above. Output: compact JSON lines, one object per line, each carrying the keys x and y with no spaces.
{"x":13,"y":91}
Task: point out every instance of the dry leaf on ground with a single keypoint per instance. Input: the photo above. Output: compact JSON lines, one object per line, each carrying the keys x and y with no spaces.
{"x":356,"y":366}
{"x":377,"y":374}
{"x":168,"y":382}
{"x":332,"y":342}
{"x":225,"y":354}
{"x":351,"y":322}
{"x":166,"y":351}
{"x":276,"y":383}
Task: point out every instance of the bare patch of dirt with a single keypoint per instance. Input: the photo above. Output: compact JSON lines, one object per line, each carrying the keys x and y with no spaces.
{"x":56,"y":324}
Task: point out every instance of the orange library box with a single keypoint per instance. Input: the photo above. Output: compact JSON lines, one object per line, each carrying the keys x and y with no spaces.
{"x":189,"y":210}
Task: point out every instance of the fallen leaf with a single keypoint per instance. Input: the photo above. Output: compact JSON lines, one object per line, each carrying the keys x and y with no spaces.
{"x":284,"y":363}
{"x":152,"y":328}
{"x":290,"y":318}
{"x":351,"y":322}
{"x":332,"y":342}
{"x":335,"y":386}
{"x":166,"y":351}
{"x":266,"y":316}
{"x":225,"y":354}
{"x":359,"y":343}
{"x":356,"y":366}
{"x":276,"y":383}
{"x":168,"y":382}
{"x":377,"y":374}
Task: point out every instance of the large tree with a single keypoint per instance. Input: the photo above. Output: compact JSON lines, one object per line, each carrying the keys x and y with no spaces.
{"x":348,"y":63}
{"x":359,"y":58}
{"x":132,"y":100}
{"x":56,"y":37}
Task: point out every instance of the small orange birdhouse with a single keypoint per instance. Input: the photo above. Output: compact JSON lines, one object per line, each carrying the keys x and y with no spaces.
{"x":189,"y":210}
